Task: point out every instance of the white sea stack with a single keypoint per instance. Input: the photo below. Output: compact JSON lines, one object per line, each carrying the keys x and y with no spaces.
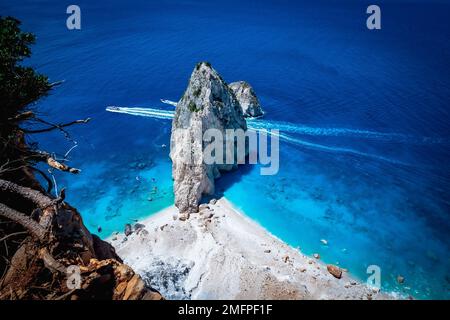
{"x":247,"y":98}
{"x":208,"y":103}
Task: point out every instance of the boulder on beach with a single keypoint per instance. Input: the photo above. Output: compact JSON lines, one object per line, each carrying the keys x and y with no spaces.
{"x":183,"y":216}
{"x":335,"y":271}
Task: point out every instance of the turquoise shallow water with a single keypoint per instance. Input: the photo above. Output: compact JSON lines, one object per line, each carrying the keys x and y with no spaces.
{"x":364,"y":117}
{"x":134,"y":192}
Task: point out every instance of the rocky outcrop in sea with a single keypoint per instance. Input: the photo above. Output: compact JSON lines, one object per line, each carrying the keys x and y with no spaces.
{"x":208,"y":103}
{"x":247,"y":98}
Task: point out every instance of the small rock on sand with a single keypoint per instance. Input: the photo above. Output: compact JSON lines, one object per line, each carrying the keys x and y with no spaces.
{"x":213,"y":201}
{"x":267,"y":251}
{"x":183,"y":216}
{"x":335,"y":271}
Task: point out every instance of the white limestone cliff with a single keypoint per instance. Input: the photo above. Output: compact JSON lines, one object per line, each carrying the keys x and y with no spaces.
{"x":247,"y":98}
{"x":208,"y":103}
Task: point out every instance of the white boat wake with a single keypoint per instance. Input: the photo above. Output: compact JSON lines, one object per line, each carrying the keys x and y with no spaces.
{"x":322,"y":147}
{"x":329,"y":132}
{"x":143,"y":112}
{"x":283,"y":127}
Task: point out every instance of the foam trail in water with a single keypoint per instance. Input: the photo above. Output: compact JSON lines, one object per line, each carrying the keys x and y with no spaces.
{"x":143,"y":112}
{"x":339,"y":132}
{"x":293,"y":128}
{"x":167,"y":115}
{"x":322,"y":147}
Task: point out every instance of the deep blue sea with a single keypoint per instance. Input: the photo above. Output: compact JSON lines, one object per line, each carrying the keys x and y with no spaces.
{"x":379,"y":197}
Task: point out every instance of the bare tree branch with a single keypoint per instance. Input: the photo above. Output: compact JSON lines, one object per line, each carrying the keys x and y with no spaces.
{"x":47,"y":179}
{"x":22,"y":116}
{"x":35,"y":196}
{"x":52,"y":162}
{"x":32,"y":226}
{"x":56,"y":126}
{"x":12,"y":235}
{"x":50,"y":262}
{"x":56,"y":83}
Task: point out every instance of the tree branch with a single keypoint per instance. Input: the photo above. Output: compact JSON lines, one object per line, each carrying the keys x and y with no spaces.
{"x":32,"y":226}
{"x":56,"y":83}
{"x":35,"y":196}
{"x":56,"y":126}
{"x":43,"y":175}
{"x":50,"y":262}
{"x":12,"y":235}
{"x":22,"y":116}
{"x":52,"y":162}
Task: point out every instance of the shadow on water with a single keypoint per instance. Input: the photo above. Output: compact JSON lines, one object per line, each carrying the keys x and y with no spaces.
{"x":228,"y":179}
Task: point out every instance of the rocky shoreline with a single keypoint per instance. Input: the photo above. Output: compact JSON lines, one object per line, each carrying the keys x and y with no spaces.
{"x":219,"y":253}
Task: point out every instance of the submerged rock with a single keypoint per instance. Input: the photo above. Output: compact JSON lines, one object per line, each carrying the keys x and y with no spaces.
{"x":128,"y":230}
{"x":208,"y":103}
{"x":138,"y":227}
{"x":247,"y":98}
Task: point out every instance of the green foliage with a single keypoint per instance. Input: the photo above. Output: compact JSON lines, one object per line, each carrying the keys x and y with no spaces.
{"x":206,"y":63}
{"x":197,"y":92}
{"x":193,"y":107}
{"x":19,"y":85}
